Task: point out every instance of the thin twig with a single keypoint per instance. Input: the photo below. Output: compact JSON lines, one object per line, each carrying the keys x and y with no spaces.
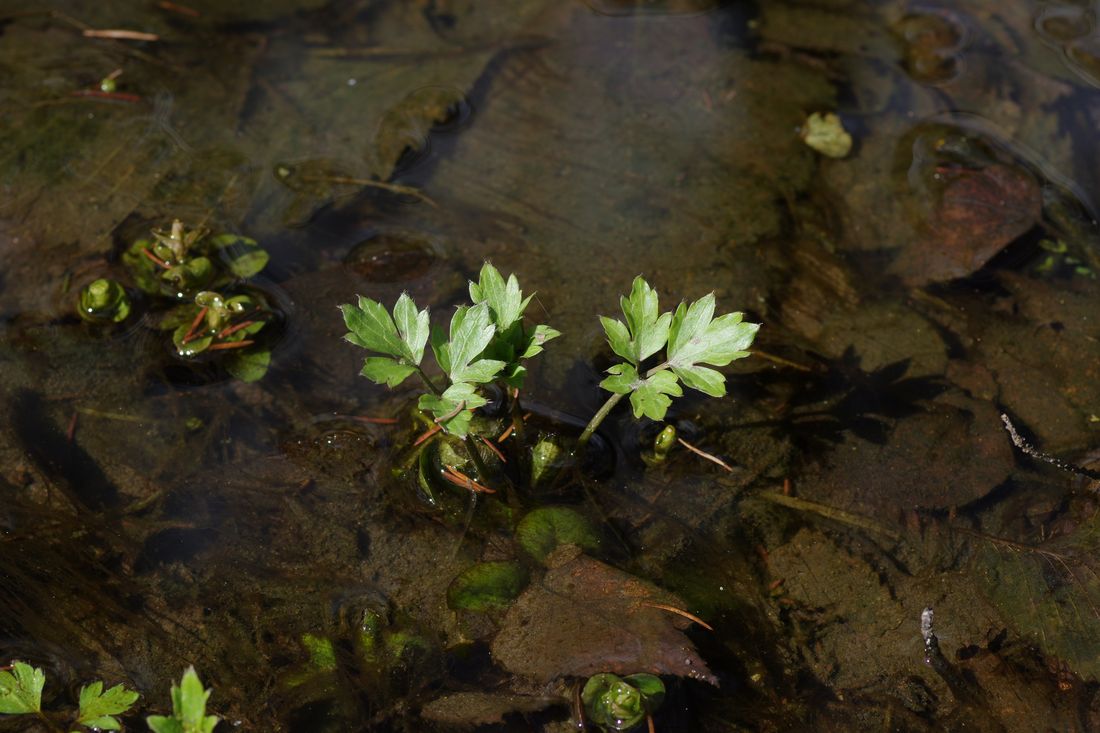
{"x":1034,"y":452}
{"x":444,"y":418}
{"x":230,"y":330}
{"x":232,"y":345}
{"x":458,"y":478}
{"x":493,"y":448}
{"x":155,"y":259}
{"x":375,"y":420}
{"x":177,"y":8}
{"x":370,"y":183}
{"x":113,"y":96}
{"x":780,"y":360}
{"x":120,"y":35}
{"x":680,"y":612}
{"x":704,"y":454}
{"x":193,"y":332}
{"x":427,"y":434}
{"x":828,"y":512}
{"x":71,"y":432}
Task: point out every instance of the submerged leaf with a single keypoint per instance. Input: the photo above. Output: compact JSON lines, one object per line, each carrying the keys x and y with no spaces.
{"x":249,"y":365}
{"x":487,"y":586}
{"x":546,"y":528}
{"x":584,"y":617}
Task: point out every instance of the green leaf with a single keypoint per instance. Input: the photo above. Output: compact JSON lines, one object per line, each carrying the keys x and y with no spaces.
{"x":694,"y":338}
{"x":505,"y":299}
{"x":387,"y":371}
{"x":195,"y":346}
{"x":623,"y":379}
{"x":651,"y":397}
{"x":21,"y":689}
{"x":487,"y":586}
{"x":651,"y":688}
{"x":413,"y":326}
{"x":452,"y":409}
{"x":543,"y":529}
{"x":243,"y":256}
{"x":535,"y":340}
{"x":248,"y":365}
{"x":618,"y":336}
{"x":188,"y":708}
{"x":441,"y":348}
{"x":471,"y":332}
{"x":371,"y":327}
{"x":612,"y":703}
{"x":704,"y":379}
{"x":479,"y":372}
{"x":98,"y":708}
{"x":145,"y":272}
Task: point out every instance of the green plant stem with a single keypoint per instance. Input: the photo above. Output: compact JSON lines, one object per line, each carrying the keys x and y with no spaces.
{"x":608,"y":407}
{"x":428,"y":381}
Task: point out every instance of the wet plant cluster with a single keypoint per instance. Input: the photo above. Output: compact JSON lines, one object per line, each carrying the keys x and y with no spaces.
{"x":476,"y":442}
{"x":195,"y":286}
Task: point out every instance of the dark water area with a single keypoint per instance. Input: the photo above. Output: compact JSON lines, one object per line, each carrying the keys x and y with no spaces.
{"x":903,"y":194}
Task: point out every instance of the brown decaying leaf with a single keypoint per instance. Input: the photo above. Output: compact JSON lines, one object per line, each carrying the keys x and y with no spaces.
{"x":586,"y":617}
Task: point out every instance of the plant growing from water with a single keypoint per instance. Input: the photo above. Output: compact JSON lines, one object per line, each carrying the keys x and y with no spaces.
{"x":489,"y":341}
{"x":188,"y":708}
{"x":693,"y":337}
{"x":620,"y":703}
{"x":21,"y":688}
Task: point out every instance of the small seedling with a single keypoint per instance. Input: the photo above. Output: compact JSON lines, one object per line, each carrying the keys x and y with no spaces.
{"x":214,"y":323}
{"x":620,"y":703}
{"x":103,"y":301}
{"x":21,"y":694}
{"x":693,"y":337}
{"x":188,"y":708}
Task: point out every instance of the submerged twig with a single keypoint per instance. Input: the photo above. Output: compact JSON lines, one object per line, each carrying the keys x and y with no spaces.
{"x":119,"y":34}
{"x":679,"y":612}
{"x":1029,"y":449}
{"x":829,"y":512}
{"x":704,"y":454}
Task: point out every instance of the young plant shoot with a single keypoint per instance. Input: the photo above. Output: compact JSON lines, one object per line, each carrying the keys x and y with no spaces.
{"x":693,"y":337}
{"x":486,"y":341}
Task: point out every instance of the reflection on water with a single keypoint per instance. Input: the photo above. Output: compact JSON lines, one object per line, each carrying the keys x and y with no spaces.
{"x":283,"y":535}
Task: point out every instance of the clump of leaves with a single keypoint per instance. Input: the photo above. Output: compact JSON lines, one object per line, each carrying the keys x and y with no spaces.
{"x":179,"y":263}
{"x":486,"y":341}
{"x":21,"y":694}
{"x":692,"y":338}
{"x":214,"y":322}
{"x":103,"y":301}
{"x":188,"y":708}
{"x":620,"y":703}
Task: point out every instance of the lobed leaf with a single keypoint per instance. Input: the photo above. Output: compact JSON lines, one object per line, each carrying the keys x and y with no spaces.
{"x":652,"y":396}
{"x":21,"y":689}
{"x":623,"y":379}
{"x":537,"y":338}
{"x":412,"y":326}
{"x":387,"y":371}
{"x":505,"y":299}
{"x":188,"y":708}
{"x":371,"y":327}
{"x":471,"y":332}
{"x":645,"y":331}
{"x":98,"y":708}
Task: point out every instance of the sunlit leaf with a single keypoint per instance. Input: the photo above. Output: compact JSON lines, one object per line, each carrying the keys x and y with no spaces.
{"x":371,"y":327}
{"x":412,"y":326}
{"x":21,"y":689}
{"x":98,"y":708}
{"x":622,"y":380}
{"x":652,"y":396}
{"x":387,"y":371}
{"x":188,"y":708}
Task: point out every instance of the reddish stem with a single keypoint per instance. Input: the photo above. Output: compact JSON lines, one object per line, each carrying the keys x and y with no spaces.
{"x":191,"y":332}
{"x":100,"y":94}
{"x":228,"y":330}
{"x":155,"y":259}
{"x":231,"y":345}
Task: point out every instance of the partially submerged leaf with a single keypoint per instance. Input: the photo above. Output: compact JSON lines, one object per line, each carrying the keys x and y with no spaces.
{"x":584,"y":617}
{"x":487,"y":586}
{"x":21,"y":689}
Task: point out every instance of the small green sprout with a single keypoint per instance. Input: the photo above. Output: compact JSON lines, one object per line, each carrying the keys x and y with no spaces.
{"x":21,"y":694}
{"x":188,"y":708}
{"x":104,"y":301}
{"x":179,"y":263}
{"x":693,"y":337}
{"x":215,"y":322}
{"x":620,"y":703}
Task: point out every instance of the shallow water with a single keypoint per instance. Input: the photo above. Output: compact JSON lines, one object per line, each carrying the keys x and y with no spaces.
{"x":157,"y":512}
